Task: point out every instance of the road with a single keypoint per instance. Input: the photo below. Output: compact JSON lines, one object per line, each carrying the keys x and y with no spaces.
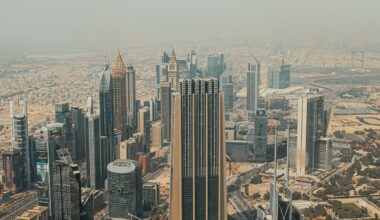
{"x":327,"y":178}
{"x":18,"y":204}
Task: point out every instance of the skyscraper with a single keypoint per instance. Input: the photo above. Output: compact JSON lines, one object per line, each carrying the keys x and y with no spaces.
{"x":128,"y":149}
{"x":131,"y":98}
{"x":215,"y":65}
{"x":144,"y":127}
{"x":309,"y":130}
{"x":10,"y":163}
{"x":106,"y":117}
{"x":124,"y":188}
{"x":119,"y":96}
{"x":166,"y":95}
{"x":279,"y":79}
{"x":96,"y":161}
{"x":261,"y":135}
{"x":173,"y":71}
{"x":198,"y":189}
{"x":77,"y":120}
{"x":157,"y":130}
{"x":63,"y":115}
{"x":253,"y":84}
{"x":66,"y":187}
{"x":192,"y":64}
{"x":19,"y":125}
{"x":227,"y":87}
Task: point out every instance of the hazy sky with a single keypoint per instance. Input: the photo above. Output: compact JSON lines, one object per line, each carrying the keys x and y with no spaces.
{"x":41,"y":24}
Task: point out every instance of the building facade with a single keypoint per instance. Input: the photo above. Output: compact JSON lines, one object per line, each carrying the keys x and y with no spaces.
{"x":261,"y":135}
{"x":253,"y":84}
{"x":131,"y":97}
{"x":173,"y":71}
{"x":166,"y":97}
{"x":198,"y":189}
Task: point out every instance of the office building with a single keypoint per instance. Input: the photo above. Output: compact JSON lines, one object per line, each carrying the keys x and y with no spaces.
{"x":261,"y":135}
{"x":198,"y":185}
{"x":309,"y":130}
{"x":119,"y":96}
{"x":324,"y":155}
{"x":239,"y":150}
{"x":144,"y":160}
{"x":173,"y":71}
{"x":19,"y":129}
{"x":124,"y":189}
{"x":279,"y":79}
{"x":166,"y":97}
{"x":227,"y":87}
{"x":139,"y":138}
{"x":77,"y":120}
{"x":276,"y":102}
{"x":215,"y":65}
{"x":157,"y":131}
{"x":106,"y":117}
{"x":192,"y":64}
{"x":10,"y":159}
{"x":154,"y":109}
{"x":65,"y":187}
{"x":63,"y":115}
{"x":96,"y":161}
{"x":131,"y":98}
{"x":151,"y":195}
{"x":128,"y":149}
{"x":145,"y":126}
{"x":253,"y":84}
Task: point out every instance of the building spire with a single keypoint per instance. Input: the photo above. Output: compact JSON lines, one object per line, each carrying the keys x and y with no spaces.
{"x":118,"y":67}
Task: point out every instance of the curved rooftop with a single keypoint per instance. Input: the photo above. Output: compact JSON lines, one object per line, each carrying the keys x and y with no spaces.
{"x":122,"y":166}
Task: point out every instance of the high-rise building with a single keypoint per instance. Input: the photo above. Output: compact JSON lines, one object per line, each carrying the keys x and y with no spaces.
{"x":19,"y":125}
{"x":154,"y":109}
{"x":279,"y":79}
{"x":253,"y":84}
{"x":145,"y":126}
{"x":173,"y":71}
{"x":215,"y":65}
{"x":131,"y":97}
{"x":96,"y":162}
{"x":157,"y":131}
{"x":324,"y":156}
{"x":144,"y":160}
{"x":52,"y":138}
{"x":106,"y":116}
{"x":198,"y":189}
{"x":10,"y":163}
{"x":309,"y":130}
{"x":128,"y":149}
{"x":63,"y":115}
{"x":66,"y":188}
{"x":124,"y":189}
{"x":166,"y":97}
{"x":119,"y":96}
{"x":192,"y":64}
{"x":227,"y":87}
{"x":151,"y":195}
{"x":77,"y":116}
{"x":261,"y":135}
{"x":139,"y":137}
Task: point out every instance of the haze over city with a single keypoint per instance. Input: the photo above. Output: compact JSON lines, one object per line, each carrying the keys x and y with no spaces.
{"x":189,"y":110}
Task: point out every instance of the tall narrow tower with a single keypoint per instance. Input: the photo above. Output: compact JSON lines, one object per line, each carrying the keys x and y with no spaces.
{"x":173,"y":70}
{"x":131,"y":97}
{"x":19,"y":125}
{"x":198,"y":186}
{"x":119,"y":96}
{"x":106,"y":118}
{"x":166,"y":97}
{"x":253,"y":82}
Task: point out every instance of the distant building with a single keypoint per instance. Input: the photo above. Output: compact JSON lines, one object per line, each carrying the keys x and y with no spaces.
{"x":215,"y":65}
{"x":119,"y":96}
{"x":192,"y":64}
{"x":173,"y":71}
{"x":279,"y":79}
{"x":145,"y":126}
{"x":239,"y":150}
{"x":309,"y":130}
{"x":128,"y":149}
{"x":124,"y":188}
{"x":131,"y":98}
{"x":154,"y":109}
{"x":63,"y":115}
{"x":139,"y":137}
{"x":198,"y":155}
{"x":19,"y":126}
{"x":324,"y":156}
{"x":157,"y":134}
{"x":144,"y":160}
{"x":261,"y":135}
{"x":276,"y":102}
{"x":151,"y":195}
{"x":227,"y":87}
{"x":10,"y":159}
{"x":253,"y":84}
{"x":166,"y":95}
